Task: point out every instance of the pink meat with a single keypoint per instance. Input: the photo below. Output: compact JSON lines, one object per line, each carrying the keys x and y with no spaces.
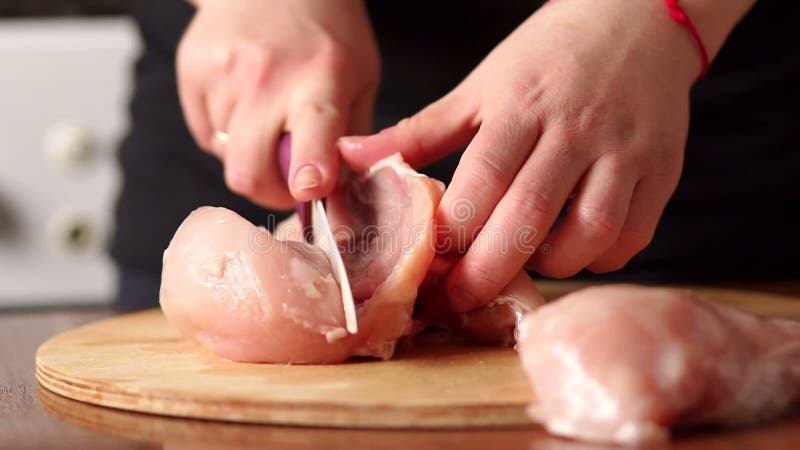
{"x":248,"y":296}
{"x":496,"y":323}
{"x":623,"y":364}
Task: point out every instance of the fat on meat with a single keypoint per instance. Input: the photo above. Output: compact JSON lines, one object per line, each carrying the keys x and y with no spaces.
{"x":624,"y":364}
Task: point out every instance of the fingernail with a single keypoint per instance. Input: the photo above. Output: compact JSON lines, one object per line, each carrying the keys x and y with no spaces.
{"x":351,"y":142}
{"x":307,"y":177}
{"x":461,"y":301}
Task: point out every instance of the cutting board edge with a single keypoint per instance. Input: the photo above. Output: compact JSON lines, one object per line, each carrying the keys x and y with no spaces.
{"x":315,"y":415}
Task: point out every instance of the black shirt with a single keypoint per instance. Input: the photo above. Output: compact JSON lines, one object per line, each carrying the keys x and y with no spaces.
{"x":733,"y":215}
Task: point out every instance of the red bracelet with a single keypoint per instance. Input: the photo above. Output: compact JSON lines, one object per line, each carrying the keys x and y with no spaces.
{"x":680,"y":16}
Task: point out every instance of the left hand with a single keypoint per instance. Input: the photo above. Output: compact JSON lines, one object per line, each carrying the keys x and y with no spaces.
{"x":585,"y":98}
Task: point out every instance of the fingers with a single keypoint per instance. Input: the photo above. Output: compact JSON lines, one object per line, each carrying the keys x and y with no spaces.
{"x":314,"y":111}
{"x":220,"y":104}
{"x":441,"y":128}
{"x":317,"y":118}
{"x":647,"y":204}
{"x":252,"y":116}
{"x":195,"y":113}
{"x":483,"y":175}
{"x":518,"y":223}
{"x":362,"y":113}
{"x":251,"y":167}
{"x":594,"y":220}
{"x":524,"y":292}
{"x":194,"y":77}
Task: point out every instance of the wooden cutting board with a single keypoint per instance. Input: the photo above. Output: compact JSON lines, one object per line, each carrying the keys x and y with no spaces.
{"x":139,"y":362}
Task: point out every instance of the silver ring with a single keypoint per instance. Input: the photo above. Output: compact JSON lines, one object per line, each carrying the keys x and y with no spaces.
{"x":221,"y":136}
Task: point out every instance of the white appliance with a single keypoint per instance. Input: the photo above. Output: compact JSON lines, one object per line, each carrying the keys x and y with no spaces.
{"x":64,"y":88}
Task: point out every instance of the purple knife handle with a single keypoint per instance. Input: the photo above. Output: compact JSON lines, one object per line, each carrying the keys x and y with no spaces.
{"x":303,"y":208}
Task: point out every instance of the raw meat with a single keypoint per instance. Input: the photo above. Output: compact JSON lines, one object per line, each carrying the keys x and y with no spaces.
{"x":495,"y":324}
{"x":248,"y":296}
{"x":623,"y":364}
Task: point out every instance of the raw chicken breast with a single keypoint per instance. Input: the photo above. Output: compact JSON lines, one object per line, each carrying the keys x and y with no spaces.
{"x":623,"y":364}
{"x":496,"y":323}
{"x":248,"y":296}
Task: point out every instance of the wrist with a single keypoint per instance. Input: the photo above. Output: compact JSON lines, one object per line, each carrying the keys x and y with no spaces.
{"x":647,"y":29}
{"x":664,"y":44}
{"x":715,"y":19}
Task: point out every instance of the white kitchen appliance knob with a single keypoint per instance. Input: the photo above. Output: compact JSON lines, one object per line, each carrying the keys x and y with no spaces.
{"x":68,"y":145}
{"x":72,"y":230}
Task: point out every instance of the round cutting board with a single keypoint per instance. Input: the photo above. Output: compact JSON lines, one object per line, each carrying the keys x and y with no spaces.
{"x":139,"y":362}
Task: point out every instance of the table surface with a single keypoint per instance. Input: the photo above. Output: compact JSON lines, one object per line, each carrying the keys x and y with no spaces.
{"x":33,"y":418}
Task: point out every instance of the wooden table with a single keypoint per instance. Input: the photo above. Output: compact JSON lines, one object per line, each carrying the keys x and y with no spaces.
{"x":33,"y":418}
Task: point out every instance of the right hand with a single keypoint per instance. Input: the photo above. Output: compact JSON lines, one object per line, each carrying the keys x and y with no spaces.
{"x":255,"y":69}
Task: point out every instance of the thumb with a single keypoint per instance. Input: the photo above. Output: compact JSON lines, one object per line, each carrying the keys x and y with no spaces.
{"x":439,"y":129}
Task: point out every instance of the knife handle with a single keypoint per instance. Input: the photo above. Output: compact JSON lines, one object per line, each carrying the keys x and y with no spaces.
{"x":303,"y":208}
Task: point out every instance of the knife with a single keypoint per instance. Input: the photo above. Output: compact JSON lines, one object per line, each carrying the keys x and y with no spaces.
{"x":317,"y":231}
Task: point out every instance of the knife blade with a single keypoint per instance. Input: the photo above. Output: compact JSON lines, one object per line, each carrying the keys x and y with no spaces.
{"x":317,"y":230}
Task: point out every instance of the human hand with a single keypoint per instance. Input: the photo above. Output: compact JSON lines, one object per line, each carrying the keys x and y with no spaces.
{"x":585,"y":99}
{"x":254,"y":69}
